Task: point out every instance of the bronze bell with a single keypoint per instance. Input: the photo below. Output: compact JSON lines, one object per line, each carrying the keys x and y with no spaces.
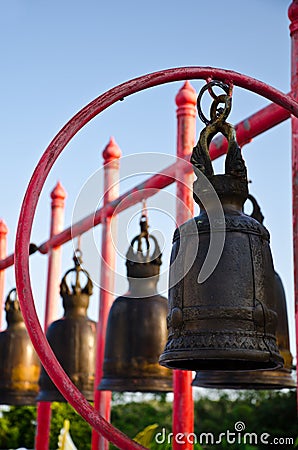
{"x":225,"y":320}
{"x":72,"y":338}
{"x":263,"y":379}
{"x":260,"y":379}
{"x":136,"y":329}
{"x":19,"y":363}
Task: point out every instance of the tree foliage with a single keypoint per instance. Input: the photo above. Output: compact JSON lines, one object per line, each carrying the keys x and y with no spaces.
{"x":261,"y":412}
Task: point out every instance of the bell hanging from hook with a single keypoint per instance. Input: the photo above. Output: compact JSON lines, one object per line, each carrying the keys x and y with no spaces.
{"x":136,"y":329}
{"x":19,"y":363}
{"x":73,"y":337}
{"x":261,"y":379}
{"x":222,"y":313}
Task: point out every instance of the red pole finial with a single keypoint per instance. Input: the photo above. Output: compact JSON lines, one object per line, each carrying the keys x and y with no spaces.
{"x":3,"y":228}
{"x":186,"y":95}
{"x":111,"y":152}
{"x":58,"y":195}
{"x":293,"y":16}
{"x":3,"y":251}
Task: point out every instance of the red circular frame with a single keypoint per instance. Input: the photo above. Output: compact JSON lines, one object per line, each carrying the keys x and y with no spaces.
{"x":23,"y":282}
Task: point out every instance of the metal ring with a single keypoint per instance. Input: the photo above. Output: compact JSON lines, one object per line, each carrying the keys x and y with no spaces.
{"x":225,"y":87}
{"x":34,"y":188}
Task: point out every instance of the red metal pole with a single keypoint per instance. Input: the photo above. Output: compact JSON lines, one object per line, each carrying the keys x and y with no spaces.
{"x":102,"y":399}
{"x":3,"y":252}
{"x":183,"y":406}
{"x":58,"y":196}
{"x":293,"y":15}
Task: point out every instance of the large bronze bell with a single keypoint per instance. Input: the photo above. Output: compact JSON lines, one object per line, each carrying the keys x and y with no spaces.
{"x":263,"y":379}
{"x":136,"y":329}
{"x":72,"y":338}
{"x":19,"y":363}
{"x":260,"y":379}
{"x":226,"y":319}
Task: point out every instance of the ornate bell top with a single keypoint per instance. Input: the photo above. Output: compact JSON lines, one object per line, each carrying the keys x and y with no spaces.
{"x":75,"y":298}
{"x":231,"y":187}
{"x":13,"y":310}
{"x":142,"y":266}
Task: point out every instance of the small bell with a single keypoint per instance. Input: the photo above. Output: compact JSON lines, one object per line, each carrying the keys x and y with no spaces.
{"x":221,"y":302}
{"x":136,"y":329}
{"x":19,"y":363}
{"x":262,"y":379}
{"x":72,"y":338}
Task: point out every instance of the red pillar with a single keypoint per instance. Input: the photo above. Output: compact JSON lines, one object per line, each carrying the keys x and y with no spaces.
{"x":183,"y":407}
{"x":58,"y":196}
{"x":102,"y":399}
{"x":293,"y":15}
{"x":3,"y":253}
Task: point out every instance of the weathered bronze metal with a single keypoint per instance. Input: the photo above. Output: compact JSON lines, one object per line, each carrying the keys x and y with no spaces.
{"x":227,"y":321}
{"x":136,"y":330}
{"x":19,"y":363}
{"x":260,"y":379}
{"x":72,"y":338}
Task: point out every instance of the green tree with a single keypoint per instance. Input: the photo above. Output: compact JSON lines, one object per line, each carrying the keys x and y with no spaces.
{"x":17,"y":427}
{"x":261,"y":412}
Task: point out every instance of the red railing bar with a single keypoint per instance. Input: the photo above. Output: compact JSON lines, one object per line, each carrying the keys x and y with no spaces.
{"x":246,"y":130}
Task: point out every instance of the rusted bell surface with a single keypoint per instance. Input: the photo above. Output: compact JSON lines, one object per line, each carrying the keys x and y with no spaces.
{"x":227,"y":320}
{"x":261,"y":379}
{"x":19,"y":363}
{"x":73,"y":339}
{"x":136,"y":329}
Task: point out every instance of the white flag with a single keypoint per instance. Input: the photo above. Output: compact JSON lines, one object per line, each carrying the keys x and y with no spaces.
{"x":64,"y":440}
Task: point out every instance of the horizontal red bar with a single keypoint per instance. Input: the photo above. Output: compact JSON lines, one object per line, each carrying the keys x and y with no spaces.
{"x":246,"y":130}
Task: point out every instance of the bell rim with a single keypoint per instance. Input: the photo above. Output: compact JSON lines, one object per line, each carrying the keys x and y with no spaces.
{"x":275,"y":379}
{"x":56,"y":396}
{"x":14,"y":398}
{"x":214,"y":359}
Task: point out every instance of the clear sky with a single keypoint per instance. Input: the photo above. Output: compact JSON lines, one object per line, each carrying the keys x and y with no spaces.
{"x":58,"y":56}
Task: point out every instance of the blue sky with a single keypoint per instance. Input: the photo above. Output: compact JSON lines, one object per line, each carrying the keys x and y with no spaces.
{"x":58,"y":56}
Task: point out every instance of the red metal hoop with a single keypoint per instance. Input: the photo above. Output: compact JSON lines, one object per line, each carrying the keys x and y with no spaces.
{"x":23,"y":282}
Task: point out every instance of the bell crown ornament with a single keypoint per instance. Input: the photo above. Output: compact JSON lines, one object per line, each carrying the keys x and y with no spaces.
{"x":143,"y":264}
{"x":75,"y":297}
{"x":225,"y":319}
{"x":139,"y":263}
{"x":13,"y":309}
